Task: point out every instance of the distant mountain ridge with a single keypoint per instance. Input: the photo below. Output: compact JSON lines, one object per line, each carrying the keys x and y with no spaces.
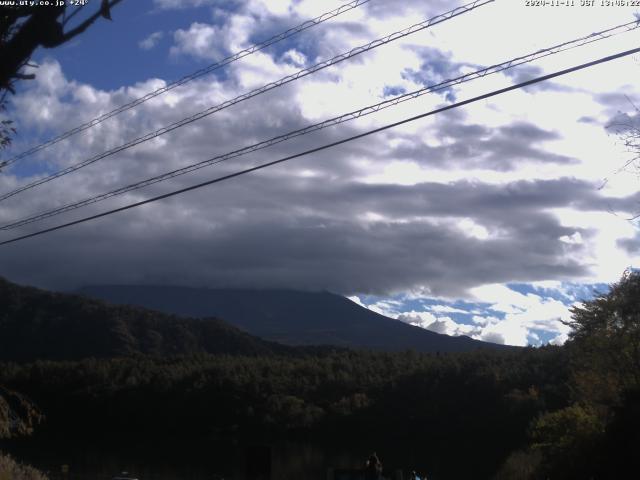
{"x":37,"y":324}
{"x":290,"y":317}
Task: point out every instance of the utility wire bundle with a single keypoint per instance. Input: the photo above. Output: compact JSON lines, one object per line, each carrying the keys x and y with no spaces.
{"x":253,"y":93}
{"x":582,"y":41}
{"x":331,"y":122}
{"x":188,"y":78}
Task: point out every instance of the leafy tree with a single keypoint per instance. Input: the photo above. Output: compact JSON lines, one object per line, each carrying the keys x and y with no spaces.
{"x":18,"y":416}
{"x":568,"y":438}
{"x":12,"y":470}
{"x":596,"y":435}
{"x":606,"y":341}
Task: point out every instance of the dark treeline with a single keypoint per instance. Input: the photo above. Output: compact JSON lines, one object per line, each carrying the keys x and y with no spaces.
{"x":479,"y":404}
{"x":36,"y":324}
{"x":570,"y":412}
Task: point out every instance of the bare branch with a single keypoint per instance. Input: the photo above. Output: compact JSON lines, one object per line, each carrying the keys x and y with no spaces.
{"x":73,"y":14}
{"x":104,"y":11}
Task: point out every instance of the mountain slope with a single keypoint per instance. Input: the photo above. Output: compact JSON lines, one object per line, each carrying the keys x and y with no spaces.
{"x":290,"y":317}
{"x":36,"y":324}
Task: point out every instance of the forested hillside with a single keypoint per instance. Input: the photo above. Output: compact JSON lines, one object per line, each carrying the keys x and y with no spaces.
{"x":35,"y":324}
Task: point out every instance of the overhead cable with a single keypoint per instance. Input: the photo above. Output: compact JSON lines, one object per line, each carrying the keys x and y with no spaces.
{"x":188,"y":78}
{"x":593,"y":37}
{"x":329,"y":145}
{"x":258,"y":91}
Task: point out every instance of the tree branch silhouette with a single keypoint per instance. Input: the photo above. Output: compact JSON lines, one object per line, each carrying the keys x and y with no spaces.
{"x":23,"y":29}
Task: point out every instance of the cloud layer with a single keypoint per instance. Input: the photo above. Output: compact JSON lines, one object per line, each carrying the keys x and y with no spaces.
{"x":456,"y":206}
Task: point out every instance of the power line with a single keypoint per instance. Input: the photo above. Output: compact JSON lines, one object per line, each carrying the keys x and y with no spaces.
{"x":258,"y":91}
{"x":330,"y":145}
{"x":197,"y":74}
{"x":593,"y":37}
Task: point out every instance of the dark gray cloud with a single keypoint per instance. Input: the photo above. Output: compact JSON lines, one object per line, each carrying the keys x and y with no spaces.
{"x":181,"y":4}
{"x":436,"y":67}
{"x":617,"y":100}
{"x":524,"y":73}
{"x":631,"y":245}
{"x":527,"y":132}
{"x":271,"y":231}
{"x":587,"y":119}
{"x":622,"y":111}
{"x":430,"y":9}
{"x":476,"y":146}
{"x":312,"y":223}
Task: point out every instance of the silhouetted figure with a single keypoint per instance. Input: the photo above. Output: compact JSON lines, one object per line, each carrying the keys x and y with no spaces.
{"x":373,"y":468}
{"x":414,"y":476}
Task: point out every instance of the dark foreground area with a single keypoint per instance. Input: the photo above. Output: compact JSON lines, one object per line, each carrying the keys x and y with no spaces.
{"x":432,"y":407}
{"x":553,"y":412}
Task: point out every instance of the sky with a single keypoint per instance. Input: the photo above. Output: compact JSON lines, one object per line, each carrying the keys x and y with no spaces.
{"x":490,"y":220}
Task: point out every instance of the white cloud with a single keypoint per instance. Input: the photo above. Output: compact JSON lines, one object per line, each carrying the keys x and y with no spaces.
{"x":388,"y":308}
{"x":419,"y":319}
{"x":471,"y":228}
{"x":448,"y":326}
{"x":180,"y":4}
{"x":355,"y":299}
{"x":456,"y":205}
{"x":560,"y":339}
{"x":295,"y":57}
{"x":503,"y":316}
{"x":201,"y":40}
{"x":522,"y":313}
{"x":484,"y":320}
{"x":151,"y":41}
{"x":575,"y":239}
{"x":446,"y":309}
{"x":509,"y":331}
{"x":439,"y":324}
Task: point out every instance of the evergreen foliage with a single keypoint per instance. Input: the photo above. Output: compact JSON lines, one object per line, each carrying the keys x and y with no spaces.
{"x":570,"y":412}
{"x":597,"y":435}
{"x":12,"y":470}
